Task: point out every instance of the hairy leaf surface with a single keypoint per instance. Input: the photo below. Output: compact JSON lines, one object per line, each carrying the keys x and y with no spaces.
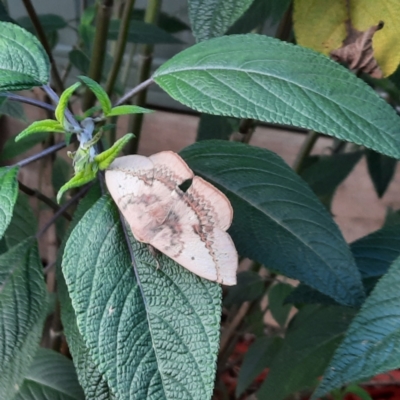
{"x":32,"y":68}
{"x":286,"y":227}
{"x":23,"y":308}
{"x":156,"y":340}
{"x":210,"y":18}
{"x":308,"y":346}
{"x":372,"y":343}
{"x":8,"y":196}
{"x":51,"y":376}
{"x":254,"y":76}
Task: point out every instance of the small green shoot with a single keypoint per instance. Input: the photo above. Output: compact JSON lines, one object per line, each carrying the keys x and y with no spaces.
{"x":127,"y":109}
{"x":63,"y":104}
{"x":47,"y":125}
{"x":99,"y":92}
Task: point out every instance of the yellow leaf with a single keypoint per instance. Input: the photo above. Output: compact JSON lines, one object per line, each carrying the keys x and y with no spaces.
{"x":320,"y":24}
{"x":386,"y":43}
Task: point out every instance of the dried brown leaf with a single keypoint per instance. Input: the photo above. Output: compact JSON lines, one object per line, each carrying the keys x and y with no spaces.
{"x":357,"y":51}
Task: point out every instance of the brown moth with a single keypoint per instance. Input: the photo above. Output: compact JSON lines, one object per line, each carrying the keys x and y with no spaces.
{"x":189,"y":227}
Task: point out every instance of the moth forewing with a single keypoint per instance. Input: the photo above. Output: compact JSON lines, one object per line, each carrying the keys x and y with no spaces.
{"x":189,"y":227}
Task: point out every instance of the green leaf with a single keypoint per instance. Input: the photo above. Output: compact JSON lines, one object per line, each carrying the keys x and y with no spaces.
{"x":303,"y":294}
{"x":88,"y":15}
{"x":79,"y":60}
{"x":105,"y":158}
{"x":358,"y":391}
{"x":254,"y":76}
{"x":46,"y":125}
{"x":308,"y":346}
{"x":257,"y":13}
{"x":8,"y":196}
{"x":167,"y":22}
{"x":276,"y":297}
{"x":23,"y":308}
{"x":325,"y":173}
{"x":210,"y":18}
{"x":79,"y":179}
{"x":13,"y":149}
{"x":142,"y":33}
{"x":31,"y":69}
{"x":4,"y":16}
{"x":13,"y":109}
{"x":50,"y":23}
{"x":381,"y":170}
{"x":99,"y":92}
{"x":372,"y":342}
{"x":50,"y":376}
{"x":63,"y":104}
{"x":23,"y":223}
{"x":258,"y":357}
{"x":166,"y":330}
{"x":286,"y":226}
{"x":93,"y":383}
{"x":215,"y":127}
{"x":375,"y":252}
{"x":122,"y":110}
{"x":250,"y":286}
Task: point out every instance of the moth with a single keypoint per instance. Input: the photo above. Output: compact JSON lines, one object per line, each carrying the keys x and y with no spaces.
{"x":188,"y":226}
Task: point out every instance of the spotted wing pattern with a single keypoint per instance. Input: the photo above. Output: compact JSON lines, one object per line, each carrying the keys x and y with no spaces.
{"x":189,"y":227}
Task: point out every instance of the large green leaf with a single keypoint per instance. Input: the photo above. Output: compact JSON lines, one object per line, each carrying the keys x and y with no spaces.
{"x":92,"y":381}
{"x":23,"y":223}
{"x":23,"y":61}
{"x":308,"y":346}
{"x":381,"y":170}
{"x":210,"y":18}
{"x":257,"y":13}
{"x":142,"y":33}
{"x":51,"y":376}
{"x":372,"y":343}
{"x":23,"y":308}
{"x":277,"y":220}
{"x":325,"y":173}
{"x":8,"y":196}
{"x":215,"y":127}
{"x":376,"y":252}
{"x":157,"y":339}
{"x":276,"y":297}
{"x":253,"y":76}
{"x":250,"y":287}
{"x":373,"y":254}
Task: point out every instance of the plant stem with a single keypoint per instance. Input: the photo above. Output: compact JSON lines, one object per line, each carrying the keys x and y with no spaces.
{"x":151,"y":16}
{"x":43,"y":40}
{"x":120,"y":45}
{"x":305,"y":150}
{"x":231,"y":328}
{"x":46,"y":200}
{"x":63,"y":209}
{"x":28,"y":100}
{"x":134,"y":91}
{"x":44,"y":153}
{"x":99,"y":49}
